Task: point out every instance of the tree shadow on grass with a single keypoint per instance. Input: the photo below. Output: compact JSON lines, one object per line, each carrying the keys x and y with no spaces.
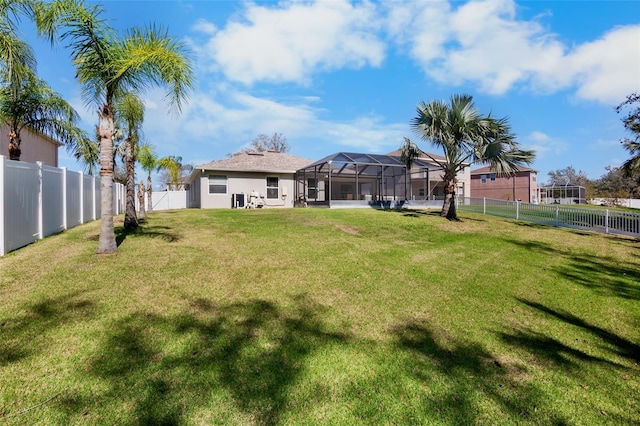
{"x":146,"y":230}
{"x":245,"y":356}
{"x":557,"y":352}
{"x":26,"y":334}
{"x":464,"y":375}
{"x":606,"y":276}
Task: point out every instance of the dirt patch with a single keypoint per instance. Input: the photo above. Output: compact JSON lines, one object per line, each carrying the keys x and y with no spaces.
{"x":348,"y":229}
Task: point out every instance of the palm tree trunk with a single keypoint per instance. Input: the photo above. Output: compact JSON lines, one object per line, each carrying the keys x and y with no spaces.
{"x":107,"y":241}
{"x":449,"y":205}
{"x":142,"y":215}
{"x":130,"y":220}
{"x":14,"y":146}
{"x":149,"y":195}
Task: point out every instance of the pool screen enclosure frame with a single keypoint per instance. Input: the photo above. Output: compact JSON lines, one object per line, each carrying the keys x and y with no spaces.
{"x":354,"y":178}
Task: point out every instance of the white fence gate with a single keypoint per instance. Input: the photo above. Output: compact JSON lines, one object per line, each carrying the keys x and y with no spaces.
{"x":38,"y":200}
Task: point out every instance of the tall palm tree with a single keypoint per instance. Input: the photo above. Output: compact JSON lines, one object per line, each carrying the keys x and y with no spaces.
{"x":17,"y":59}
{"x":37,"y":107}
{"x":148,"y":160}
{"x":108,"y":65}
{"x":466,"y":137}
{"x":129,"y":117}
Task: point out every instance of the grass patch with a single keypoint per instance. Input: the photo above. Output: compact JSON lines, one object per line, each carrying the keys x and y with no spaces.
{"x":308,"y":316}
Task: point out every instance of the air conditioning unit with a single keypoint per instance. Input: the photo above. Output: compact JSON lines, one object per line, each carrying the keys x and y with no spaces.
{"x":237,"y":201}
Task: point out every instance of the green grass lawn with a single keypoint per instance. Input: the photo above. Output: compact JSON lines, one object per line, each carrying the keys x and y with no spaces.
{"x":315,"y":316}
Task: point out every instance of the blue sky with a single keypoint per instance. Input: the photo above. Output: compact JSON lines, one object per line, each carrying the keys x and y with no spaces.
{"x":334,"y":75}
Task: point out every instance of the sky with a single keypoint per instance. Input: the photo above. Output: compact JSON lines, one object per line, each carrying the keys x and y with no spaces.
{"x":335,"y":75}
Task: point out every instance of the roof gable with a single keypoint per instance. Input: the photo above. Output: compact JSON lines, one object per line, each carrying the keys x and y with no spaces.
{"x":265,"y":161}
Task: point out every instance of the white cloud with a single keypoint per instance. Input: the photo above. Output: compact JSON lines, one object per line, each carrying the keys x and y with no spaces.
{"x":608,"y":69}
{"x":205,"y":27}
{"x":544,"y":145}
{"x":483,"y":42}
{"x":217,"y":123}
{"x":291,"y":41}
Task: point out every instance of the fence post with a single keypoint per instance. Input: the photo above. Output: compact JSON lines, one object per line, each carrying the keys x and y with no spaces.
{"x":606,"y":221}
{"x":484,"y":205}
{"x":93,"y":198}
{"x":557,"y":215}
{"x":64,"y":198}
{"x":81,"y":189}
{"x":40,"y":201}
{"x":517,"y":209}
{"x":2,"y":169}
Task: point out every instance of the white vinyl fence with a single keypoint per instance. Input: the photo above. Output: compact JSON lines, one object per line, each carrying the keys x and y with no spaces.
{"x":600,"y":220}
{"x":38,"y":200}
{"x":165,"y":200}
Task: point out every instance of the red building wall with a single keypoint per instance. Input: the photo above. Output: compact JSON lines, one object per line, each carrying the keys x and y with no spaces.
{"x":518,"y":187}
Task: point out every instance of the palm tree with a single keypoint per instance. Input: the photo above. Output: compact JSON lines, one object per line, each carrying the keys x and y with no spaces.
{"x":34,"y":105}
{"x":173,"y":166}
{"x":17,"y":59}
{"x":148,"y":160}
{"x":466,"y":137}
{"x":143,"y":214}
{"x":129,"y":117}
{"x":107,"y":66}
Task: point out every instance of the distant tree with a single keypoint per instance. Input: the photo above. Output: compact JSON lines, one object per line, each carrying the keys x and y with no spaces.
{"x":142,"y":212}
{"x":632,"y":123}
{"x":262,"y":142}
{"x":148,"y":160}
{"x":129,"y":115}
{"x":466,"y":137}
{"x":617,"y":184}
{"x":173,"y":172}
{"x":568,"y":175}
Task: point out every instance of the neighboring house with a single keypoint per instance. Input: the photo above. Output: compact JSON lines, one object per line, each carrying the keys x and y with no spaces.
{"x":522,"y":186}
{"x":35,"y":147}
{"x":436,"y":184}
{"x":258,"y":179}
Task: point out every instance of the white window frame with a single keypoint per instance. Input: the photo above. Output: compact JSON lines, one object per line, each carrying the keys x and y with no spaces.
{"x":271,"y":188}
{"x":219,"y":181}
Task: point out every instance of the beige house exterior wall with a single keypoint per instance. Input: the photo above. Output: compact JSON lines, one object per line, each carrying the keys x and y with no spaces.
{"x":246,"y":183}
{"x":35,"y":147}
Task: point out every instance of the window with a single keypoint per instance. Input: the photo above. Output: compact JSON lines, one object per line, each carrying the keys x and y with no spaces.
{"x":493,"y":176}
{"x":483,"y":178}
{"x":217,"y":184}
{"x":312,"y":188}
{"x":272,"y":187}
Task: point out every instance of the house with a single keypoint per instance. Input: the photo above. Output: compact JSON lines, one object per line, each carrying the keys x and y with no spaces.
{"x":522,"y":186}
{"x":35,"y":147}
{"x":255,"y":179}
{"x":343,"y":179}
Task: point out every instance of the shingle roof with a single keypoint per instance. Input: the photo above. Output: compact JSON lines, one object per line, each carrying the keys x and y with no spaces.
{"x":489,"y":169}
{"x":266,"y":161}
